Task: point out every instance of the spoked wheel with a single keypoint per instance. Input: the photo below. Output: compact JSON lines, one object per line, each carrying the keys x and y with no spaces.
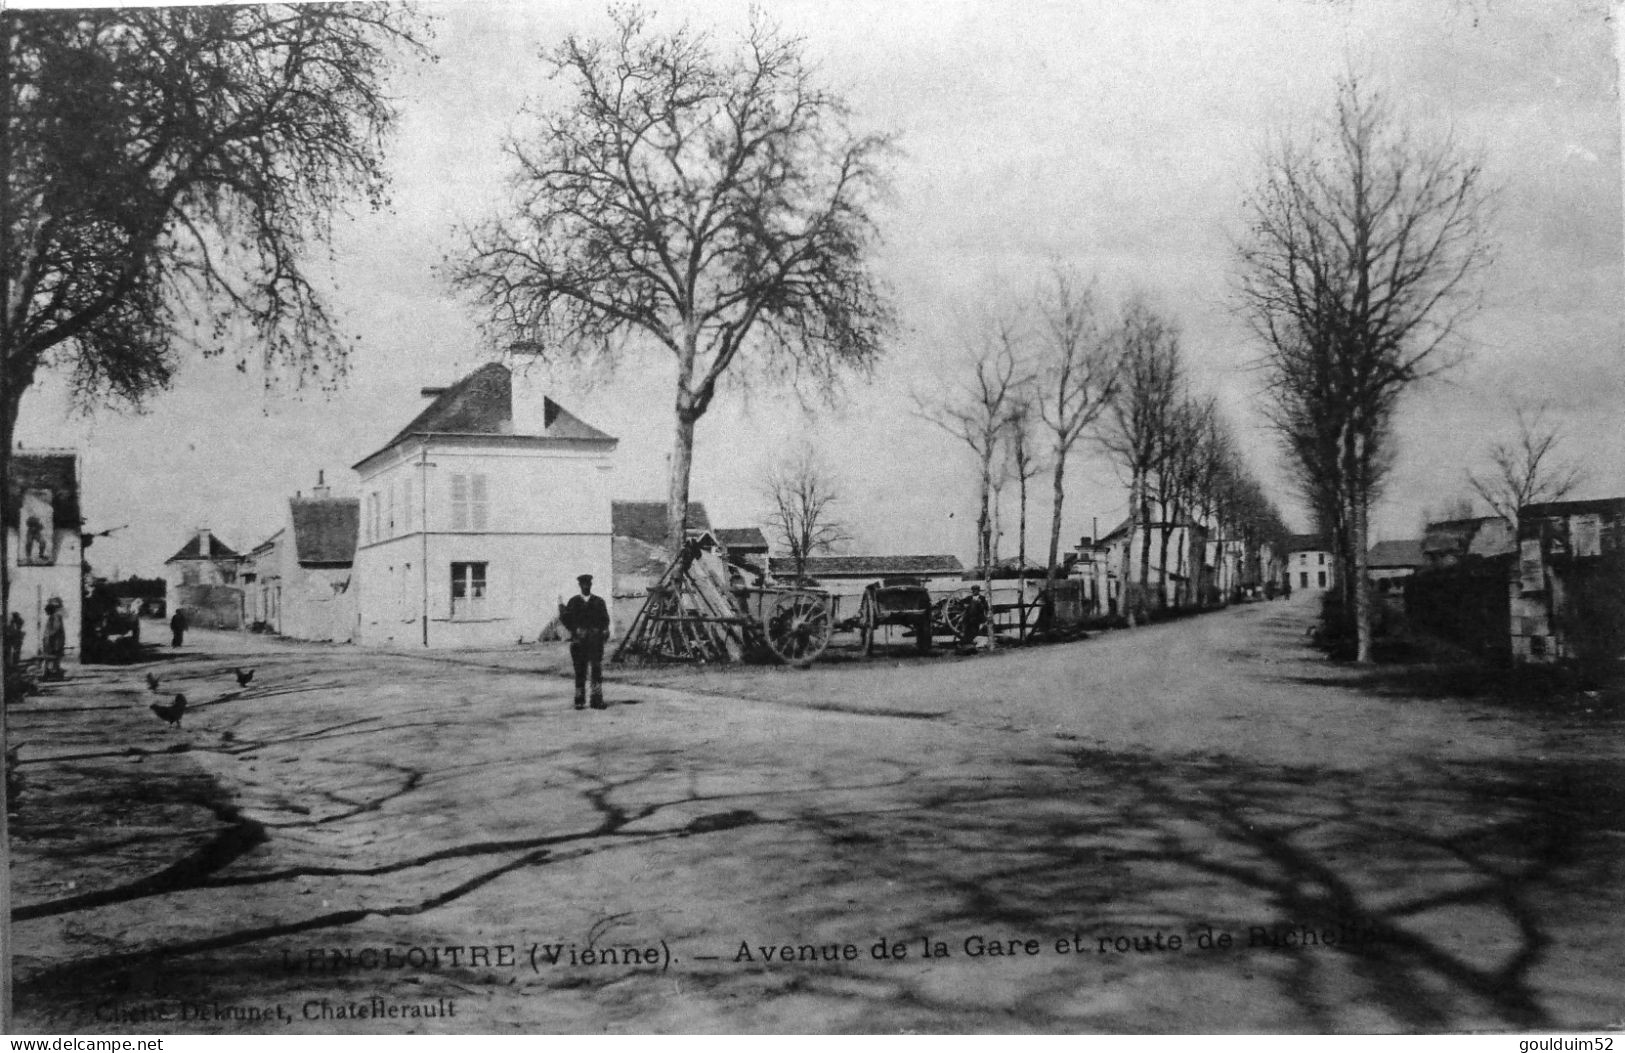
{"x":953,"y":612}
{"x":798,"y":627}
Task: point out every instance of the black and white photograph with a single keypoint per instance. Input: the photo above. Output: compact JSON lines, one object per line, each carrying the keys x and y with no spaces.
{"x":698,"y":516}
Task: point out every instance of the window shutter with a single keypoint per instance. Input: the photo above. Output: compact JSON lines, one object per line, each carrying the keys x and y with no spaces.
{"x":406,"y":506}
{"x":459,"y":502}
{"x":479,"y":504}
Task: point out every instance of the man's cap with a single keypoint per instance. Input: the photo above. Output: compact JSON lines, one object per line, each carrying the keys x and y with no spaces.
{"x":584,"y":579}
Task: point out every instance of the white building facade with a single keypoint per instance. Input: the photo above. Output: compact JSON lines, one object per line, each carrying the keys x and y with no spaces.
{"x":477,"y":518}
{"x":44,"y":553}
{"x":1310,"y":566}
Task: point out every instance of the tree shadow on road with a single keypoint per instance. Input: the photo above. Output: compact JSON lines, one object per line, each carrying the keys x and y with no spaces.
{"x":1446,"y":892}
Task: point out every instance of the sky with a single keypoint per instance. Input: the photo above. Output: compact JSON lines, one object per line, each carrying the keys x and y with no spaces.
{"x":1117,"y":139}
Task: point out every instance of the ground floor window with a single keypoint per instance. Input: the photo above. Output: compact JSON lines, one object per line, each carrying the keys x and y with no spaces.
{"x":467,"y":590}
{"x":1303,"y":579}
{"x":1323,"y":579}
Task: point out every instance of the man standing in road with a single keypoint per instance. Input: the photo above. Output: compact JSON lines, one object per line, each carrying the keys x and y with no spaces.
{"x":587,"y":620}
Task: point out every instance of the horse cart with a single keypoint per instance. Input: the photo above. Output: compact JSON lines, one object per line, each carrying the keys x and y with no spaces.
{"x":902,"y":602}
{"x":701,"y":611}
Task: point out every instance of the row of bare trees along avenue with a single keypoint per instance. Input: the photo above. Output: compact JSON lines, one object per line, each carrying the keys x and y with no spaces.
{"x":1060,"y":372}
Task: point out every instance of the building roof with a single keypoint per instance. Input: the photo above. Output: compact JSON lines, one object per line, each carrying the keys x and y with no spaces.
{"x":871,"y":566}
{"x":1479,"y":536}
{"x":1607,"y":506}
{"x":325,"y":529}
{"x":268,"y":544}
{"x":193,"y":549}
{"x":741,"y":539}
{"x":646,"y":520}
{"x":1389,"y":555}
{"x":1307,"y":543}
{"x":633,"y":557}
{"x":56,"y":472}
{"x":482,"y":404}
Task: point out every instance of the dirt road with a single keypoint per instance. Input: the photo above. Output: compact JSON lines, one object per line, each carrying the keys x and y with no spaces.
{"x":1199,"y":826}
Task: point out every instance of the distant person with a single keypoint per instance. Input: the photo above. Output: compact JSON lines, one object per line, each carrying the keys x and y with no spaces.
{"x":15,"y":633}
{"x":974,"y":615}
{"x":587,"y":620}
{"x":34,"y":547}
{"x":177,"y":628}
{"x":56,"y":638}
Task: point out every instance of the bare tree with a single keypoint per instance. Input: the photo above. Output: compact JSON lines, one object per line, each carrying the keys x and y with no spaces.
{"x":1529,"y":472}
{"x":1080,"y":367}
{"x":716,"y":205}
{"x":1022,"y":455}
{"x":801,"y":492}
{"x":975,"y":413}
{"x":1138,"y":426}
{"x":1363,"y":247}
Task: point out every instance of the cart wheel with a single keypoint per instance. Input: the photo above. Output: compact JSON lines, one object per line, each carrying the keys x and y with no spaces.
{"x":798,"y":627}
{"x":953,"y":612}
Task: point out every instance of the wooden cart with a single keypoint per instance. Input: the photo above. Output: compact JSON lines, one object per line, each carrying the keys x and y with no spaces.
{"x":901,"y":602}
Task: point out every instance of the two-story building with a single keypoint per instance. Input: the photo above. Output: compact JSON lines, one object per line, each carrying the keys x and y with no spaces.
{"x":476,"y":518}
{"x":1310,"y":564}
{"x":43,"y":519}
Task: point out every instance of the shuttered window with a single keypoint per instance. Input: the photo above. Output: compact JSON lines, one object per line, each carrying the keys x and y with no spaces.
{"x":459,"y":502}
{"x":470,"y":504}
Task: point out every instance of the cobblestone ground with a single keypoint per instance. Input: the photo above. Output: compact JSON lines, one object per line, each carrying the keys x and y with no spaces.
{"x":1199,"y":826}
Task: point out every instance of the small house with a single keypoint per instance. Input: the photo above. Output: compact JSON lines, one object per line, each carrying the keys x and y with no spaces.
{"x":1567,"y":587}
{"x":45,"y":555}
{"x":299,"y":579}
{"x":203,"y":582}
{"x":1389,"y":563}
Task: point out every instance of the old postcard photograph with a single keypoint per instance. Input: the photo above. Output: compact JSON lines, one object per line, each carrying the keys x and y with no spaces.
{"x":1050,"y":517}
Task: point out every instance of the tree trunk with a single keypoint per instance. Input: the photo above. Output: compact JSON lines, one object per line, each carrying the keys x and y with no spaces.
{"x":1055,"y":523}
{"x":682,"y":459}
{"x":1362,"y":595}
{"x":1162,"y":566}
{"x":983,"y":524}
{"x":1021,"y":555}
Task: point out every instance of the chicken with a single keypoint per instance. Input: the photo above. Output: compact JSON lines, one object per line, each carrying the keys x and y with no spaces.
{"x":152,"y":682}
{"x":172,"y":712}
{"x":244,"y":676}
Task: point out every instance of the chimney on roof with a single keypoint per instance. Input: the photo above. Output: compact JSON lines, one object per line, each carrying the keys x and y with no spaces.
{"x":430,"y":393}
{"x":204,"y":545}
{"x":321,"y":489}
{"x":529,"y":403}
